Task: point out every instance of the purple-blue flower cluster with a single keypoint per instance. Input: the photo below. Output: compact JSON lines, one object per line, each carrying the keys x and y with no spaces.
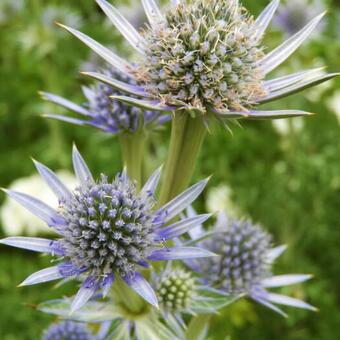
{"x":107,"y":229}
{"x":242,"y":263}
{"x":68,"y":330}
{"x":104,"y":112}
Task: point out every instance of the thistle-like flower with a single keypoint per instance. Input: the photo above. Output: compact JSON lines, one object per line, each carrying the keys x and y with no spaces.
{"x":293,"y":15}
{"x":205,"y":56}
{"x":176,"y":289}
{"x":106,"y":113}
{"x":245,"y":263}
{"x":67,"y":330}
{"x":107,"y":229}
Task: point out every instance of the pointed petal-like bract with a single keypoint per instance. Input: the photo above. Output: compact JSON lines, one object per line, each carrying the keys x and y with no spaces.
{"x":300,"y":86}
{"x":178,"y":253}
{"x":64,"y":102}
{"x":124,"y":27}
{"x":89,"y":94}
{"x":44,"y":275}
{"x":152,"y":12}
{"x":37,"y":207}
{"x":118,"y":85}
{"x":53,"y":181}
{"x":80,"y":168}
{"x":42,"y":245}
{"x":284,"y":280}
{"x":106,"y":285}
{"x":278,"y":114}
{"x":150,"y":186}
{"x":181,"y":227}
{"x":67,"y":119}
{"x":182,"y":201}
{"x":198,"y":231}
{"x":281,"y":53}
{"x":137,"y":282}
{"x":153,"y":105}
{"x":274,"y":253}
{"x":229,"y":114}
{"x":288,"y":301}
{"x":264,"y":19}
{"x":84,"y":294}
{"x":270,"y":306}
{"x":104,"y":52}
{"x":282,"y":82}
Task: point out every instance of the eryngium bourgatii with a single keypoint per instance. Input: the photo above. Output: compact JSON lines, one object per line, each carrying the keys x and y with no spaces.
{"x":104,"y":112}
{"x":244,"y":264}
{"x":107,"y":229}
{"x":205,"y":57}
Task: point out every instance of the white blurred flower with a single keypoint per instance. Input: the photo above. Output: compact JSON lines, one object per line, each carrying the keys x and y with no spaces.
{"x":314,"y":94}
{"x":67,"y":16}
{"x":219,"y":199}
{"x":41,"y":35}
{"x":285,"y":126}
{"x":9,"y":8}
{"x":16,"y":220}
{"x":333,"y":104}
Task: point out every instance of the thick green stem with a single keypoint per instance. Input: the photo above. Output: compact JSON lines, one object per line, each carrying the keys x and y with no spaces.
{"x":187,"y":135}
{"x":132,"y":146}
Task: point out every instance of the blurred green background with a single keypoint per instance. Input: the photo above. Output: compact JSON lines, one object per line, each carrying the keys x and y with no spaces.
{"x":285,"y":175}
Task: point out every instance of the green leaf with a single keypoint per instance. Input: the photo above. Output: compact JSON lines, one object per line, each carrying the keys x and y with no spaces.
{"x":198,"y":328}
{"x":209,"y":300}
{"x":152,"y":329}
{"x":93,"y":311}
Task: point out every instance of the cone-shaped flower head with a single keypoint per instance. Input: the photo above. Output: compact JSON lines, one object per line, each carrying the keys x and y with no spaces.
{"x":242,"y":263}
{"x":106,"y":113}
{"x":175,"y":290}
{"x":67,"y":330}
{"x":205,"y":56}
{"x":245,"y":263}
{"x":107,"y":228}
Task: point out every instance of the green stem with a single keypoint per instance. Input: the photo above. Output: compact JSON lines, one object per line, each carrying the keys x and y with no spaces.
{"x":132,"y":146}
{"x":187,"y":135}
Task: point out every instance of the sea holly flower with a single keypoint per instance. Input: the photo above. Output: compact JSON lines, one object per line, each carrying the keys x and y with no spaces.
{"x":293,"y":15}
{"x":107,"y":229}
{"x":68,"y":330}
{"x":245,"y":263}
{"x":180,"y":292}
{"x":207,"y":57}
{"x":176,"y":289}
{"x":105,"y":113}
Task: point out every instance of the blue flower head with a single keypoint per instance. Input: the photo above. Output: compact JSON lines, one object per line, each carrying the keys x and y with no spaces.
{"x":206,"y":57}
{"x":245,"y":263}
{"x":105,"y":113}
{"x":107,"y":228}
{"x":68,"y":330}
